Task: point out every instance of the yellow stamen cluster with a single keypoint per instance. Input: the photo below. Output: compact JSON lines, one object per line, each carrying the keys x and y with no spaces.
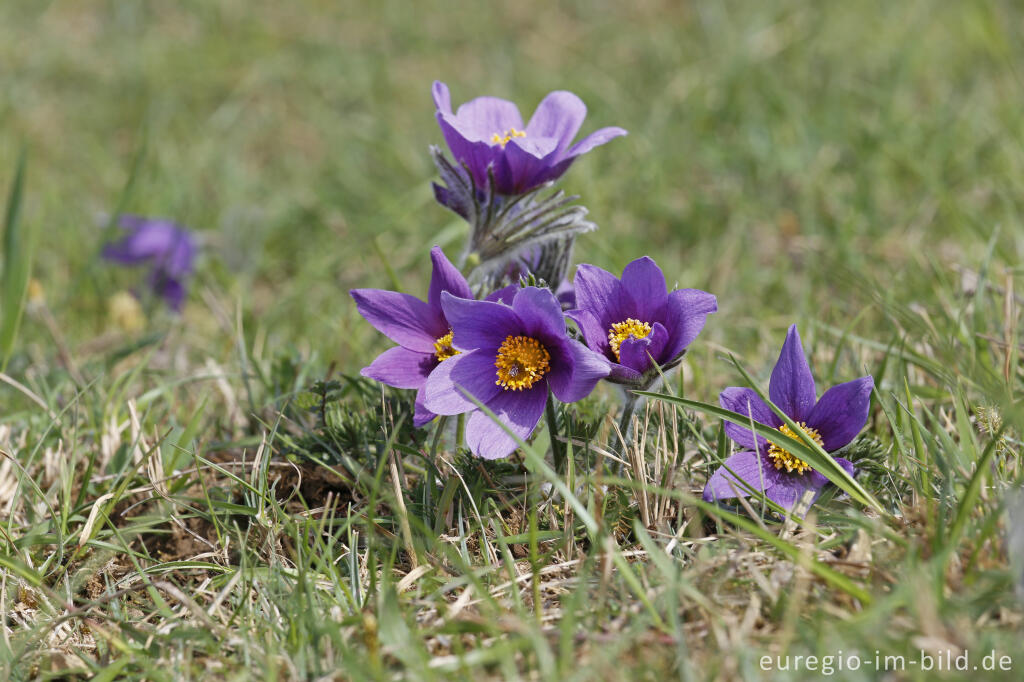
{"x":783,"y":458}
{"x":498,"y":138}
{"x":621,"y":331}
{"x":521,"y":362}
{"x":443,"y":348}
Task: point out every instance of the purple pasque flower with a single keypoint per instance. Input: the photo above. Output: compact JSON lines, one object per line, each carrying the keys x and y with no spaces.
{"x":420,"y":329}
{"x":166,"y":247}
{"x":636,"y":322}
{"x":512,"y":356}
{"x":832,"y":422}
{"x":487,"y":133}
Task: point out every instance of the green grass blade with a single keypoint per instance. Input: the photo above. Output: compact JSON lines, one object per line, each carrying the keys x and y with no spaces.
{"x":832,"y":577}
{"x":973,"y":492}
{"x":537,"y":463}
{"x":17,"y":267}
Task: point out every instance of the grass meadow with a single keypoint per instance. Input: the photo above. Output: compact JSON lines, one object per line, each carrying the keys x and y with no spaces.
{"x":219,"y":494}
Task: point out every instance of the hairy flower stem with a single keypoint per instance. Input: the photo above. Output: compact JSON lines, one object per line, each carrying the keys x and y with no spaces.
{"x":557,"y":447}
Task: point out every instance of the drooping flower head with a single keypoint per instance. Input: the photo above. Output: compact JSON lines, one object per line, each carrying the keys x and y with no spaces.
{"x":832,"y":422}
{"x":636,"y":322}
{"x":166,"y":247}
{"x":420,"y":329}
{"x":510,"y":357}
{"x":488,"y":133}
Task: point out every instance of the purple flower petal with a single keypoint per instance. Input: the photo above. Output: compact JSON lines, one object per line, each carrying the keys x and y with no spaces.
{"x":540,"y":313}
{"x":555,"y":171}
{"x":791,"y":386}
{"x":788,"y":491}
{"x":846,"y":464}
{"x":450,"y":199}
{"x":566,"y":294}
{"x":505,"y":182}
{"x":595,"y":139}
{"x":645,"y":282}
{"x":180,"y":259}
{"x":401,"y":367}
{"x":446,"y":277}
{"x":812,"y":480}
{"x":477,"y":156}
{"x":503,"y":295}
{"x":442,"y":98}
{"x":842,"y":412}
{"x":480,"y":118}
{"x":745,"y":401}
{"x":445,"y":389}
{"x":478,"y":324}
{"x":594,"y":334}
{"x":558,"y":116}
{"x":519,"y":410}
{"x":599,"y":292}
{"x":528,"y":158}
{"x":421,"y":415}
{"x":626,"y":375}
{"x":170,"y":289}
{"x":695,"y":301}
{"x":534,"y":147}
{"x":790,"y":488}
{"x":148,"y":240}
{"x":637,"y":353}
{"x":686,"y":312}
{"x":576,"y":379}
{"x":404,"y":319}
{"x":745,"y":466}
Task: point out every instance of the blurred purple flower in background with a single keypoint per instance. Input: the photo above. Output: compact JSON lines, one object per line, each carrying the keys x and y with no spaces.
{"x":488,"y":133}
{"x":511,"y":357}
{"x":166,"y":247}
{"x":832,"y":422}
{"x":635,"y":320}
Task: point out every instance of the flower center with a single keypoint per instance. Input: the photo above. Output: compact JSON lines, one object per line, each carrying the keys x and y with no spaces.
{"x":521,"y":362}
{"x":621,"y":331}
{"x":498,"y":138}
{"x":443,"y":348}
{"x":783,"y":458}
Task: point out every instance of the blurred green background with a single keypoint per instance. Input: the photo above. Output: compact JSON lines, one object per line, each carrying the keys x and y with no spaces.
{"x":775,"y":147}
